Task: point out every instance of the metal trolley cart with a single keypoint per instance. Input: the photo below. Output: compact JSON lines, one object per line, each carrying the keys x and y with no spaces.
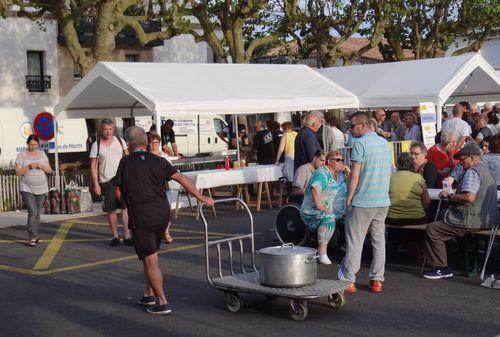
{"x":248,"y":280}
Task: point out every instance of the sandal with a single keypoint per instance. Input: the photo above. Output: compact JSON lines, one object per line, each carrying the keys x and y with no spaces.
{"x":32,"y":243}
{"x":38,"y":240}
{"x":168,"y":238}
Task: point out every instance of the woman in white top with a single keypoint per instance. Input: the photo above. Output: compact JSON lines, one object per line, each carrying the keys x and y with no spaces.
{"x":332,"y":121}
{"x":32,"y":166}
{"x":154,"y":141}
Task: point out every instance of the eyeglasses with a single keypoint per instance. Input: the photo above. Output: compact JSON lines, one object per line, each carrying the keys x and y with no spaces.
{"x":353,"y":125}
{"x":415,"y":154}
{"x":338,"y":160}
{"x":463,"y":158}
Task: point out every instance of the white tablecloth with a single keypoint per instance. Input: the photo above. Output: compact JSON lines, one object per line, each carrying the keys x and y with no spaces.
{"x":216,"y":178}
{"x":434,"y":194}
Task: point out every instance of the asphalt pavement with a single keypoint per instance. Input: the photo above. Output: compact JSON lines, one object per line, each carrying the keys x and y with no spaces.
{"x":75,"y":284}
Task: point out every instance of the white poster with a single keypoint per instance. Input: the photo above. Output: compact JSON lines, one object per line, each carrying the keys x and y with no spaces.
{"x":428,"y":122}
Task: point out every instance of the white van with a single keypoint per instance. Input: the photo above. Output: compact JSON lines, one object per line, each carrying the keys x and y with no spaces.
{"x":186,"y":133}
{"x":14,"y":130}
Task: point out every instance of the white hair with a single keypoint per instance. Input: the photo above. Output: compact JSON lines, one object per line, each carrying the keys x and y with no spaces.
{"x":136,"y":136}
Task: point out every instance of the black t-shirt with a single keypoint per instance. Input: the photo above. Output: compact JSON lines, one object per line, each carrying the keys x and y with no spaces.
{"x":263,"y":144}
{"x":143,"y":177}
{"x":167,"y":137}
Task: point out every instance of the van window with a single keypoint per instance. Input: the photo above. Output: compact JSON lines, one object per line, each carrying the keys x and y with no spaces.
{"x":219,"y":125}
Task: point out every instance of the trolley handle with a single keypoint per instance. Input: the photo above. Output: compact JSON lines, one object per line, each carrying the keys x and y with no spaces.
{"x":218,"y":201}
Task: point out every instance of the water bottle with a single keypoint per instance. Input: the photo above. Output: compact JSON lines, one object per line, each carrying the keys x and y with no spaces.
{"x":447,"y":186}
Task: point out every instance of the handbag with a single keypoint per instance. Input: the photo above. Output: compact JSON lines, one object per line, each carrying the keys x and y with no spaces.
{"x":85,"y":200}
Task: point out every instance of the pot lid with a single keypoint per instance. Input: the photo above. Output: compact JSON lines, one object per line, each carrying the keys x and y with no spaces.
{"x":287,"y":250}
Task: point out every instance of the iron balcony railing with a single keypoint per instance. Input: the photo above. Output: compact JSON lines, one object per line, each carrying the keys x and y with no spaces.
{"x":38,"y":83}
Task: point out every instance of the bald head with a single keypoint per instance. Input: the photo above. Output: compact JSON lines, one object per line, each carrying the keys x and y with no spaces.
{"x":136,"y":137}
{"x":458,"y":110}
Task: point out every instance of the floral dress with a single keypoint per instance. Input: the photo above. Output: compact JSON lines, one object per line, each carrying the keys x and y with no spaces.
{"x":334,"y":198}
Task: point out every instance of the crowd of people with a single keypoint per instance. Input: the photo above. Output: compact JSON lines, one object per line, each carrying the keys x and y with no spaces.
{"x":132,"y":176}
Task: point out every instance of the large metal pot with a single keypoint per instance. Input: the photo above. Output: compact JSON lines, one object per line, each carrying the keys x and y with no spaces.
{"x":287,"y":266}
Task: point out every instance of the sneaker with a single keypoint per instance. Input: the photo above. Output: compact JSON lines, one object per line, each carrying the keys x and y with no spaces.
{"x":352,"y":289}
{"x":128,"y":242}
{"x":323,"y":259}
{"x":437,"y":273}
{"x":147,"y":300}
{"x":160,"y":309}
{"x":375,"y":286}
{"x":115,"y":242}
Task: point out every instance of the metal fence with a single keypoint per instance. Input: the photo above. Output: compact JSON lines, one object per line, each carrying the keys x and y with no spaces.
{"x":10,"y":197}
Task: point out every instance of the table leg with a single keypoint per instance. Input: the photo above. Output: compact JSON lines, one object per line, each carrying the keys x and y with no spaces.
{"x":268,"y":195}
{"x":189,"y":201}
{"x":247,"y":195}
{"x":213,"y":206}
{"x":259,"y":196}
{"x":177,"y":205}
{"x":238,"y":195}
{"x":280,"y":200}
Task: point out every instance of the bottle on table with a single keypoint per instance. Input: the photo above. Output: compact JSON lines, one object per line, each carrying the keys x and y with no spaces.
{"x":227,"y":165}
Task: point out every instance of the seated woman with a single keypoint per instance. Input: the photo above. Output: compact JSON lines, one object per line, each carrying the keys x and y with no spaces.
{"x":409,"y":202}
{"x":441,"y":155}
{"x":408,"y":194}
{"x":324,"y":200}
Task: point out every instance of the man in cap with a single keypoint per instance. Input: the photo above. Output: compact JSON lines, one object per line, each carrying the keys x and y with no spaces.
{"x":472,"y":208}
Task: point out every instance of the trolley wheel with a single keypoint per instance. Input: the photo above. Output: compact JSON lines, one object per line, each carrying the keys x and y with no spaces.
{"x":298,"y":310}
{"x":233,"y":301}
{"x":337,"y":300}
{"x":271,"y":298}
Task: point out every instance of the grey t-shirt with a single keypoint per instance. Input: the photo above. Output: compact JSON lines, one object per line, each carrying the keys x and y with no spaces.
{"x":35,"y":180}
{"x":302,"y":176}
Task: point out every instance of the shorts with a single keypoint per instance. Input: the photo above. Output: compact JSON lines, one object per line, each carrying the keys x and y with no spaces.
{"x":109,"y":199}
{"x":147,"y":239}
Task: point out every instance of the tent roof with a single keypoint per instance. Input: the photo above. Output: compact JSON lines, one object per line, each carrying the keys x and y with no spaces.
{"x":403,"y":84}
{"x":112,"y":88}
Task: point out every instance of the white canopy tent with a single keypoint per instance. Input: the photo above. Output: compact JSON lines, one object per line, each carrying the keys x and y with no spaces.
{"x":122,"y":89}
{"x":405,"y":84}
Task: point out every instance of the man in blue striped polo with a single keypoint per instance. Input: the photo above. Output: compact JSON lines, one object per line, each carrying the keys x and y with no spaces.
{"x":367,"y":202}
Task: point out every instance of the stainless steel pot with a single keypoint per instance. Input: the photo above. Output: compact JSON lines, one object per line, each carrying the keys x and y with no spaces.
{"x":287,"y":266}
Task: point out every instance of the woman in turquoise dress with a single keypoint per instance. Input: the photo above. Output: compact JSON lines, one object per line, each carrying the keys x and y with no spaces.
{"x":324,"y":200}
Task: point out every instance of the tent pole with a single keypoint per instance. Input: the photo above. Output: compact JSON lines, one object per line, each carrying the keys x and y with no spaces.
{"x":199,"y":140}
{"x":235,"y":129}
{"x":158,"y":128}
{"x":56,"y":156}
{"x":439,"y":115}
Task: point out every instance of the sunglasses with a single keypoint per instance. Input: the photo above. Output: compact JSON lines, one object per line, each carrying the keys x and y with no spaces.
{"x":338,"y":160}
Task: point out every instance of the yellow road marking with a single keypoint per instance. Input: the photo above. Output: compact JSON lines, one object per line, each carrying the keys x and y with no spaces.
{"x":53,"y":247}
{"x":91,"y":264}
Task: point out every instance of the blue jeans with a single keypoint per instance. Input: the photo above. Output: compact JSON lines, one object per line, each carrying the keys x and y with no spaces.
{"x":34,"y":204}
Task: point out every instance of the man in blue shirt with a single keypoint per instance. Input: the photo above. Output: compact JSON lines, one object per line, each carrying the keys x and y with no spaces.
{"x":367,"y":202}
{"x":306,"y":142}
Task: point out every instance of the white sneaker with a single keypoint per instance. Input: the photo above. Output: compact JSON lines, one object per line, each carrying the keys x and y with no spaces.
{"x":323,"y":259}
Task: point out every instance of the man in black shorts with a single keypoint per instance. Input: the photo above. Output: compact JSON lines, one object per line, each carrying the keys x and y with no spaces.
{"x":140,"y":180}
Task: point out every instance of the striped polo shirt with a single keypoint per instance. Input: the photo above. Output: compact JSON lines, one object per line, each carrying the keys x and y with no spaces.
{"x":374,"y":154}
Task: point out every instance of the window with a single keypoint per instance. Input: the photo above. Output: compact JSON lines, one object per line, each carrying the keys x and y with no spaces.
{"x":130,"y":58}
{"x":36,"y":80}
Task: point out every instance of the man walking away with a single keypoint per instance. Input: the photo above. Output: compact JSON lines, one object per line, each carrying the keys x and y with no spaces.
{"x":140,"y":181}
{"x":459,"y":126}
{"x":105,"y":155}
{"x":367,"y":202}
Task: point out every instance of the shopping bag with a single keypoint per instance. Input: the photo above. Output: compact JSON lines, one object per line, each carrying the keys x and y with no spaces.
{"x":71,"y":198}
{"x":55,"y":201}
{"x":85,"y":200}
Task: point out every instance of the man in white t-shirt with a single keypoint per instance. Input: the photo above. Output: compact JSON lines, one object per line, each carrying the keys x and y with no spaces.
{"x":457,"y":124}
{"x":105,"y":155}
